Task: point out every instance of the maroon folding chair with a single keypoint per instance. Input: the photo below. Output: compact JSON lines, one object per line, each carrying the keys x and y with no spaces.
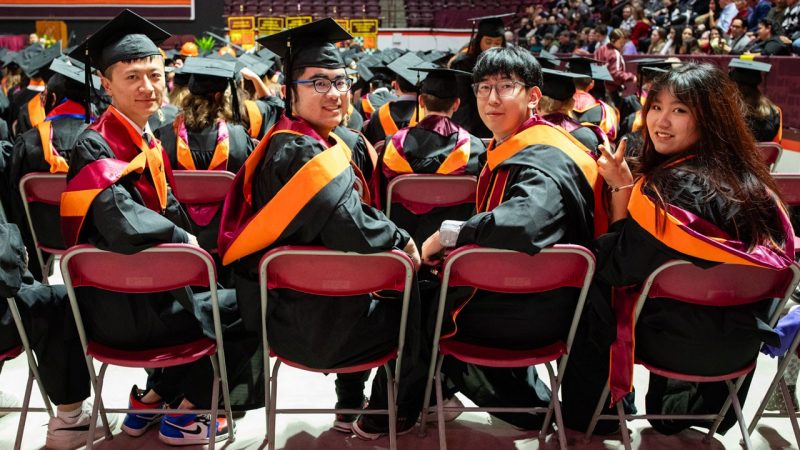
{"x":201,"y":186}
{"x":722,"y":285}
{"x":320,"y":271}
{"x":511,"y":272}
{"x":432,"y":190}
{"x":770,"y":153}
{"x":161,"y":268}
{"x":33,"y":374}
{"x":42,"y":187}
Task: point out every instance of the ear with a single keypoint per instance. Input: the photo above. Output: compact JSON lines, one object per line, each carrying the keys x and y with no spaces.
{"x":533,"y":98}
{"x":283,"y":90}
{"x":421,"y":102}
{"x":456,"y":104}
{"x":106,"y":83}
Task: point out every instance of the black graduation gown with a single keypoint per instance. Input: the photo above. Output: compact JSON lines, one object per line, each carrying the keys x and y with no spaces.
{"x":377,"y":99}
{"x":300,"y":324}
{"x":361,"y":154}
{"x":202,"y":145}
{"x":271,"y":108}
{"x":425,"y":151}
{"x":695,"y":339}
{"x":765,"y":130}
{"x":18,"y":111}
{"x":27,"y":157}
{"x":163,"y":117}
{"x":119,"y":221}
{"x":467,"y":114}
{"x":402,"y":111}
{"x":546,"y":202}
{"x":47,"y":320}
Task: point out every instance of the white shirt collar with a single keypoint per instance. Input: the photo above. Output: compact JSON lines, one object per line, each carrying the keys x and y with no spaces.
{"x":136,"y":127}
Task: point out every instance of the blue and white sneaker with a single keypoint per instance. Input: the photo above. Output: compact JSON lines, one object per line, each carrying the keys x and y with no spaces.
{"x":137,"y":424}
{"x":190,"y":429}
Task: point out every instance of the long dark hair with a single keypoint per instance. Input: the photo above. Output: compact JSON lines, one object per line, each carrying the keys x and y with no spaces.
{"x":725,"y":154}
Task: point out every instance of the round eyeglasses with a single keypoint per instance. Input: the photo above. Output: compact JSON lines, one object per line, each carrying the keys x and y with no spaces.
{"x":504,"y":89}
{"x":323,"y":85}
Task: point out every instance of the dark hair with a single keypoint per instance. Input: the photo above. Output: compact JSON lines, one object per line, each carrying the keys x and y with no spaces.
{"x":405,"y":86}
{"x":768,"y":23}
{"x":64,"y":88}
{"x":757,"y":105}
{"x":474,"y":46}
{"x":726,"y":156}
{"x":437,"y":104}
{"x":509,"y":61}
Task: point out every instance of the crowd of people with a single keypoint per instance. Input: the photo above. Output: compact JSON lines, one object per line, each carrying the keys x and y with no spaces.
{"x":559,"y":153}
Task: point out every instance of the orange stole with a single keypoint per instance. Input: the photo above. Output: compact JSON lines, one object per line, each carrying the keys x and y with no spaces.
{"x":255,"y":118}
{"x":457,"y":159}
{"x":36,"y":112}
{"x":388,"y":124}
{"x":366,"y":105}
{"x":57,"y":163}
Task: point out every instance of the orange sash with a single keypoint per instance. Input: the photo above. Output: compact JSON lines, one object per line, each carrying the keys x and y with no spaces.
{"x":255,"y":118}
{"x":366,"y":105}
{"x":57,"y":163}
{"x":388,"y":124}
{"x":36,"y":112}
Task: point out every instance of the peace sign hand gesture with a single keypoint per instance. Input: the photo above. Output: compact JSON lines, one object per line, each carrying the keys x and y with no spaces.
{"x":613,"y":167}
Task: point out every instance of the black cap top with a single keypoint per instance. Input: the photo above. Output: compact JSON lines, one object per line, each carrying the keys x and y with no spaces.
{"x":127,"y":36}
{"x":402,"y":67}
{"x":171,"y":53}
{"x":256,"y":64}
{"x":180,"y":79}
{"x":311,"y":45}
{"x":588,"y":67}
{"x":37,"y":64}
{"x":267,"y":54}
{"x":8,"y":58}
{"x":559,"y":85}
{"x":440,"y":82}
{"x":73,"y":70}
{"x":548,"y":60}
{"x":491,"y":25}
{"x":366,"y":65}
{"x":747,"y":72}
{"x":208,"y":75}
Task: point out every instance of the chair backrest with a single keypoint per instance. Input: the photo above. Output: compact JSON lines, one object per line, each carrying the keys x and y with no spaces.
{"x":430,"y":190}
{"x":43,"y":187}
{"x":508,"y":271}
{"x":789,"y":186}
{"x":201,"y":186}
{"x":320,"y":271}
{"x":770,"y":153}
{"x":160,"y":268}
{"x":721,"y":285}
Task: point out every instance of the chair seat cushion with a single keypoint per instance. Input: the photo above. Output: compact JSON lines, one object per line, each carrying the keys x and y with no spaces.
{"x":500,"y":357}
{"x":153,"y":358}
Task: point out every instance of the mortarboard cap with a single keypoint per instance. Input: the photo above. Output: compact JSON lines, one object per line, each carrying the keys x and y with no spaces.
{"x":180,"y":78}
{"x":440,"y":82}
{"x":559,"y":85}
{"x":747,"y":72}
{"x":37,"y":64}
{"x":211,"y":75}
{"x":588,"y":67}
{"x":548,"y":60}
{"x":73,"y":70}
{"x":127,"y":36}
{"x":490,"y":25}
{"x":309,"y":45}
{"x":256,"y":64}
{"x":8,"y":58}
{"x":402,"y":68}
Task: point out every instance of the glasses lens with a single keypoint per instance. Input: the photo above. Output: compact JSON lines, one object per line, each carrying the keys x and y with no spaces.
{"x":322,"y":85}
{"x":343,"y":84}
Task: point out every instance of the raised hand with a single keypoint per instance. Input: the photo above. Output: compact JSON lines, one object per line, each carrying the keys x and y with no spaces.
{"x":613,"y":167}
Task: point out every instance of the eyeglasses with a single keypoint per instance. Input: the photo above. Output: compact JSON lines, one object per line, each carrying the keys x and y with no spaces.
{"x":504,"y":89}
{"x":323,"y":85}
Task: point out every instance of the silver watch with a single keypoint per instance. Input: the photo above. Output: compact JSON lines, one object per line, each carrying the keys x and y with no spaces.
{"x":448,"y":232}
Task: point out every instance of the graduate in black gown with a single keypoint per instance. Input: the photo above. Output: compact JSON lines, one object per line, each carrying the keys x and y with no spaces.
{"x":302,"y":143}
{"x":538,"y":188}
{"x":260,"y":106}
{"x":764,"y":118}
{"x":490,"y":33}
{"x":118,"y":199}
{"x":27,"y":107}
{"x":589,"y":108}
{"x":47,"y":148}
{"x":713,"y":175}
{"x":404,"y":111}
{"x":206,"y":135}
{"x":376,"y":86}
{"x":435,"y":145}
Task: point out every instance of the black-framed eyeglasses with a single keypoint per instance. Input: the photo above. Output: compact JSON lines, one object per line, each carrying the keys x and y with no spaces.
{"x":323,"y":85}
{"x":506,"y":88}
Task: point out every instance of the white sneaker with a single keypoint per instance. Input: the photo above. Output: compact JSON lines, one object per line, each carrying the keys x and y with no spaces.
{"x":8,"y":401}
{"x":67,"y":436}
{"x":449,"y":416}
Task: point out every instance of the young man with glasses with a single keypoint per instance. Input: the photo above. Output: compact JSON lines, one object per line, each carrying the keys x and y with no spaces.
{"x":297,"y":188}
{"x":536,"y":190}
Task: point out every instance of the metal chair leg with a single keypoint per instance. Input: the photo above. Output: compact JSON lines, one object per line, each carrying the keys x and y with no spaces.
{"x":596,"y":416}
{"x":391,"y":401}
{"x":555,"y":406}
{"x":24,"y":412}
{"x":271,"y":410}
{"x":737,"y":408}
{"x":623,"y":426}
{"x":212,"y":438}
{"x":788,"y":399}
{"x":440,"y":405}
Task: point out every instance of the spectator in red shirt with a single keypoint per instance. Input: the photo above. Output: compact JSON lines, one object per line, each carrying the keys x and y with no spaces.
{"x":611,"y":56}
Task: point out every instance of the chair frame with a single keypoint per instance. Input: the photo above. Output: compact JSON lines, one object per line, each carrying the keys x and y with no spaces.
{"x":444,"y":180}
{"x":33,"y":374}
{"x":762,"y":146}
{"x":207,"y":176}
{"x":217,"y":358}
{"x":271,"y":384}
{"x":34,"y":177}
{"x":555,"y":379}
{"x":733,"y":380}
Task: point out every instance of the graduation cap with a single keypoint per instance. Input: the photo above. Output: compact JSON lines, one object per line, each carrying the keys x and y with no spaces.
{"x":548,"y":60}
{"x":180,"y":78}
{"x":440,"y":82}
{"x":747,"y":72}
{"x":402,"y":68}
{"x":267,"y":54}
{"x":8,"y":58}
{"x":36,"y":65}
{"x":126,"y":37}
{"x":211,"y":75}
{"x":490,"y":25}
{"x":256,"y":64}
{"x":73,"y":70}
{"x":170,"y":54}
{"x":309,"y":45}
{"x":558,"y":84}
{"x":588,"y":67}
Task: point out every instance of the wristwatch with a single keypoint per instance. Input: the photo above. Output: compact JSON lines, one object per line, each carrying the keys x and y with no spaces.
{"x":448,"y":232}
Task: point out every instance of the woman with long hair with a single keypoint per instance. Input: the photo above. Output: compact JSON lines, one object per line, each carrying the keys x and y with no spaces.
{"x":696,"y":186}
{"x":658,"y":39}
{"x":764,"y":118}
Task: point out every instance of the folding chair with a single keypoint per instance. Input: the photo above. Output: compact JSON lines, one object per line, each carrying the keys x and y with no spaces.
{"x":42,"y":187}
{"x":319,"y":271}
{"x":789,"y":187}
{"x":201,"y":186}
{"x":722,"y":285}
{"x":33,"y":374}
{"x":431,"y":190}
{"x":161,"y":268}
{"x":770,"y":153}
{"x":510,"y":272}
